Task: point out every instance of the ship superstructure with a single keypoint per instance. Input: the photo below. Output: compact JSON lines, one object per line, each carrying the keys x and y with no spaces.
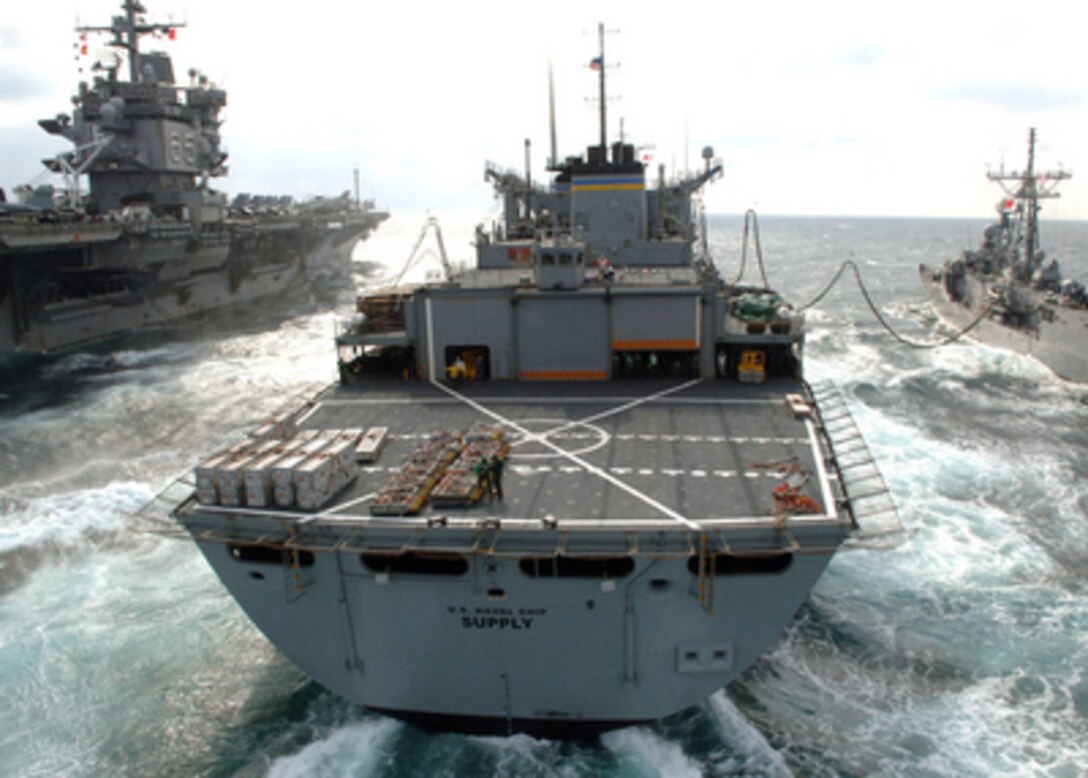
{"x":577,"y":486}
{"x":151,"y":241}
{"x":1007,"y":290}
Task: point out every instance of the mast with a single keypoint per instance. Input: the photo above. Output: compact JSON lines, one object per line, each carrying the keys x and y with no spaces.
{"x":127,"y":30}
{"x":1030,"y":188}
{"x":600,"y":71}
{"x":554,"y":160}
{"x":1033,"y":201}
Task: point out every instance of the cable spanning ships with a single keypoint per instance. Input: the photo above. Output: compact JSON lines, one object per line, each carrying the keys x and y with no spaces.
{"x":151,"y":242}
{"x":672,"y":488}
{"x":1006,"y":291}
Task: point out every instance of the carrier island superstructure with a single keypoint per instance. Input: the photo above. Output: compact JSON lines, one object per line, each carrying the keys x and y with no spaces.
{"x":671,"y":488}
{"x":151,"y":242}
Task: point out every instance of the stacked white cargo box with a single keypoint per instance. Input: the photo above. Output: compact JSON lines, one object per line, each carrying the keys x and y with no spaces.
{"x":258,"y":473}
{"x":322,"y":476}
{"x":219,"y":480}
{"x":283,"y":471}
{"x":206,"y":493}
{"x":305,"y":471}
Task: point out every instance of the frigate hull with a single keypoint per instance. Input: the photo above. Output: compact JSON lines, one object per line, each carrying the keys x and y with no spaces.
{"x":1057,"y":338}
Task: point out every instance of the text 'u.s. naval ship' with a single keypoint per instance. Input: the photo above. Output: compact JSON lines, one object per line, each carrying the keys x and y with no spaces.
{"x":151,"y":242}
{"x":1006,"y":292}
{"x":577,"y":486}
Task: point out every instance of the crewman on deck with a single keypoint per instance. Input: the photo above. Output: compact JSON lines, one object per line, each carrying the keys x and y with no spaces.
{"x":495,"y":469}
{"x":482,"y":470}
{"x":457,"y":370}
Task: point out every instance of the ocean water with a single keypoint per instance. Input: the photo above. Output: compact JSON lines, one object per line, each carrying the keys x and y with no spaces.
{"x":962,"y":652}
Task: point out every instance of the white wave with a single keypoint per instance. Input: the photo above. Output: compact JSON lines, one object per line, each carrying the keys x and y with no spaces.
{"x":970,"y":359}
{"x":352,"y":750}
{"x":752,"y":753}
{"x":521,"y":754}
{"x":648,"y":754}
{"x":66,"y":519}
{"x":114,"y":360}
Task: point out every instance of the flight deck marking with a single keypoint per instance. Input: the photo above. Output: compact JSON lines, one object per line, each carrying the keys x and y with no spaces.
{"x":591,"y":468}
{"x":611,"y":412}
{"x":528,"y":400}
{"x":599,"y":437}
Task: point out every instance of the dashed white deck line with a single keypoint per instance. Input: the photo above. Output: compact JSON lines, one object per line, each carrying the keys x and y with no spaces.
{"x":542,"y":439}
{"x":642,"y":437}
{"x":529,"y":400}
{"x":563,"y":429}
{"x":527,"y":471}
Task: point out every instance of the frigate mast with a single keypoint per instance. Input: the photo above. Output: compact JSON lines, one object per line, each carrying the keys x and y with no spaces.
{"x":126,"y":31}
{"x":1029,"y":191}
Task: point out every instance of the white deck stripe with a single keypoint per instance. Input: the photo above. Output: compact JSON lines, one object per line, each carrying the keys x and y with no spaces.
{"x":302,"y":419}
{"x":407,"y":522}
{"x":541,"y":400}
{"x":612,"y":412}
{"x":349,"y":503}
{"x":590,"y":468}
{"x":821,"y":472}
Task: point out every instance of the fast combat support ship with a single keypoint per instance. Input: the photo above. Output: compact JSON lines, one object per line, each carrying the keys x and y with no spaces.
{"x":1006,"y":292}
{"x":151,"y":242}
{"x":577,"y":486}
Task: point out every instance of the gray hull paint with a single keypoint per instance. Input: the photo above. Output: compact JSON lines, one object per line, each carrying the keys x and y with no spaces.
{"x":70,"y":323}
{"x":137,"y":235}
{"x":560,"y":657}
{"x":657,"y":432}
{"x":1061,"y":344}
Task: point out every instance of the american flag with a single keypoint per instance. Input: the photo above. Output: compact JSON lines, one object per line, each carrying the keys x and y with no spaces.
{"x":596,"y":63}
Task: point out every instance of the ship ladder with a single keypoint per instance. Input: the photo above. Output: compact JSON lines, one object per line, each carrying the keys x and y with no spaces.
{"x":293,"y":566}
{"x":864,"y":494}
{"x":706,"y":576}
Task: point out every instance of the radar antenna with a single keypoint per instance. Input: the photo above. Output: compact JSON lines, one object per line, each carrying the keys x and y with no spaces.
{"x":127,"y":30}
{"x":1030,"y":187}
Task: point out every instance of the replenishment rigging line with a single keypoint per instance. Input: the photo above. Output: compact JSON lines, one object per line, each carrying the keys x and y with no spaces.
{"x":880,"y":318}
{"x":750,"y":216}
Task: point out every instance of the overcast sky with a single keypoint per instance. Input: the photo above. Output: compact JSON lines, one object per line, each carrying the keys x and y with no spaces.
{"x":830,"y":108}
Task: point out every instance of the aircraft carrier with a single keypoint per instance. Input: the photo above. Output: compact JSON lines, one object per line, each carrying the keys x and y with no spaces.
{"x":151,"y":242}
{"x":580,"y":485}
{"x":1006,"y":292}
